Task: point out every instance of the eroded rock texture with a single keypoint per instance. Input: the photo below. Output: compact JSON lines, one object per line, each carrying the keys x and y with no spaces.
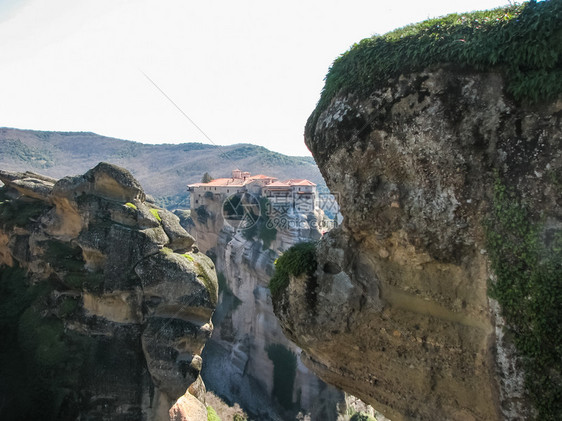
{"x":398,"y":312}
{"x":106,"y":307}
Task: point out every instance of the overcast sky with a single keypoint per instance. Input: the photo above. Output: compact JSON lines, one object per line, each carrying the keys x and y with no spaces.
{"x":243,"y":71}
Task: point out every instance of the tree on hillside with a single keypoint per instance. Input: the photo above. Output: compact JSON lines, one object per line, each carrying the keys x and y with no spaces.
{"x":207,"y":178}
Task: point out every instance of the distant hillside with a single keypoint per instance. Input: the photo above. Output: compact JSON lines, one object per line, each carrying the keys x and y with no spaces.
{"x":163,"y":170}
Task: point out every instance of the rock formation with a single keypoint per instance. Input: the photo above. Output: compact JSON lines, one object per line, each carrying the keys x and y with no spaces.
{"x":400,"y":314}
{"x":105,"y":305}
{"x":239,"y":365}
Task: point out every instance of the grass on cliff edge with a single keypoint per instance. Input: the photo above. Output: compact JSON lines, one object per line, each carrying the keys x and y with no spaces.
{"x":523,"y":41}
{"x":299,"y":259}
{"x":527,"y":261}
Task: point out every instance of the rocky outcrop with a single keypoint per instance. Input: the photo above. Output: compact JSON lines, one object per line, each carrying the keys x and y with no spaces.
{"x":239,"y":365}
{"x":109,"y":305}
{"x":400,"y":316}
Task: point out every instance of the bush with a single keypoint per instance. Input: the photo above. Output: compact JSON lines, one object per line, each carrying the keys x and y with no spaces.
{"x":528,"y":287}
{"x":299,"y":259}
{"x":522,"y":41}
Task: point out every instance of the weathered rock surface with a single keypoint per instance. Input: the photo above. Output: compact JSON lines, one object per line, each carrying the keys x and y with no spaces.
{"x":107,"y":321}
{"x":400,"y":316}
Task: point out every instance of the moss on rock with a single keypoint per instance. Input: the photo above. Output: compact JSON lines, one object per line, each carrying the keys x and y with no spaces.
{"x":524,"y":42}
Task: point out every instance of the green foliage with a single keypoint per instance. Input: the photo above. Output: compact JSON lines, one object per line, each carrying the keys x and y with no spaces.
{"x":68,"y":306}
{"x":206,"y":178}
{"x":251,"y":232}
{"x":232,"y":208}
{"x":155,"y":213}
{"x":131,"y":205}
{"x":284,"y":371}
{"x":173,"y":202}
{"x":527,"y":262}
{"x":261,"y":154}
{"x":359,"y":416}
{"x":188,"y":257}
{"x":212,"y":414}
{"x":238,"y":417}
{"x":522,"y":41}
{"x":20,"y":152}
{"x":299,"y":259}
{"x":202,"y":214}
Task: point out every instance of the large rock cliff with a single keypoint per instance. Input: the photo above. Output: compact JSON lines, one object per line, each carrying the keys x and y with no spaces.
{"x":249,"y":360}
{"x":436,"y":170}
{"x":105,"y":306}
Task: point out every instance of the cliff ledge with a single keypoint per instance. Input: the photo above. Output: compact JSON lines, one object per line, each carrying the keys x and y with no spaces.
{"x":445,"y":180}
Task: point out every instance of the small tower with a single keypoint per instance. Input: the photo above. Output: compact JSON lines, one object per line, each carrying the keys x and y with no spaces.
{"x":236,"y":174}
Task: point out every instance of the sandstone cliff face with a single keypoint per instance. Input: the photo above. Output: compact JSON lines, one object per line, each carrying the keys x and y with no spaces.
{"x":106,"y":305}
{"x":401,"y":316}
{"x":237,"y":359}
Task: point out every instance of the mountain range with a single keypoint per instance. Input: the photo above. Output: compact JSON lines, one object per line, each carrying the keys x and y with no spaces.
{"x":163,"y":170}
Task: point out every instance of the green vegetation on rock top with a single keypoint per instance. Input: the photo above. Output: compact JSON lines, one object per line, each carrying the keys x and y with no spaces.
{"x":297,"y":260}
{"x":524,"y":42}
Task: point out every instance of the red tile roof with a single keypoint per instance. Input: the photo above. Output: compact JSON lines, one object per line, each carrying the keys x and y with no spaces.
{"x":225,"y":182}
{"x":299,"y":182}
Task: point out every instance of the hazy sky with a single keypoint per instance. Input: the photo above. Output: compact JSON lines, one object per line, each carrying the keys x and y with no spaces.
{"x":243,"y":71}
